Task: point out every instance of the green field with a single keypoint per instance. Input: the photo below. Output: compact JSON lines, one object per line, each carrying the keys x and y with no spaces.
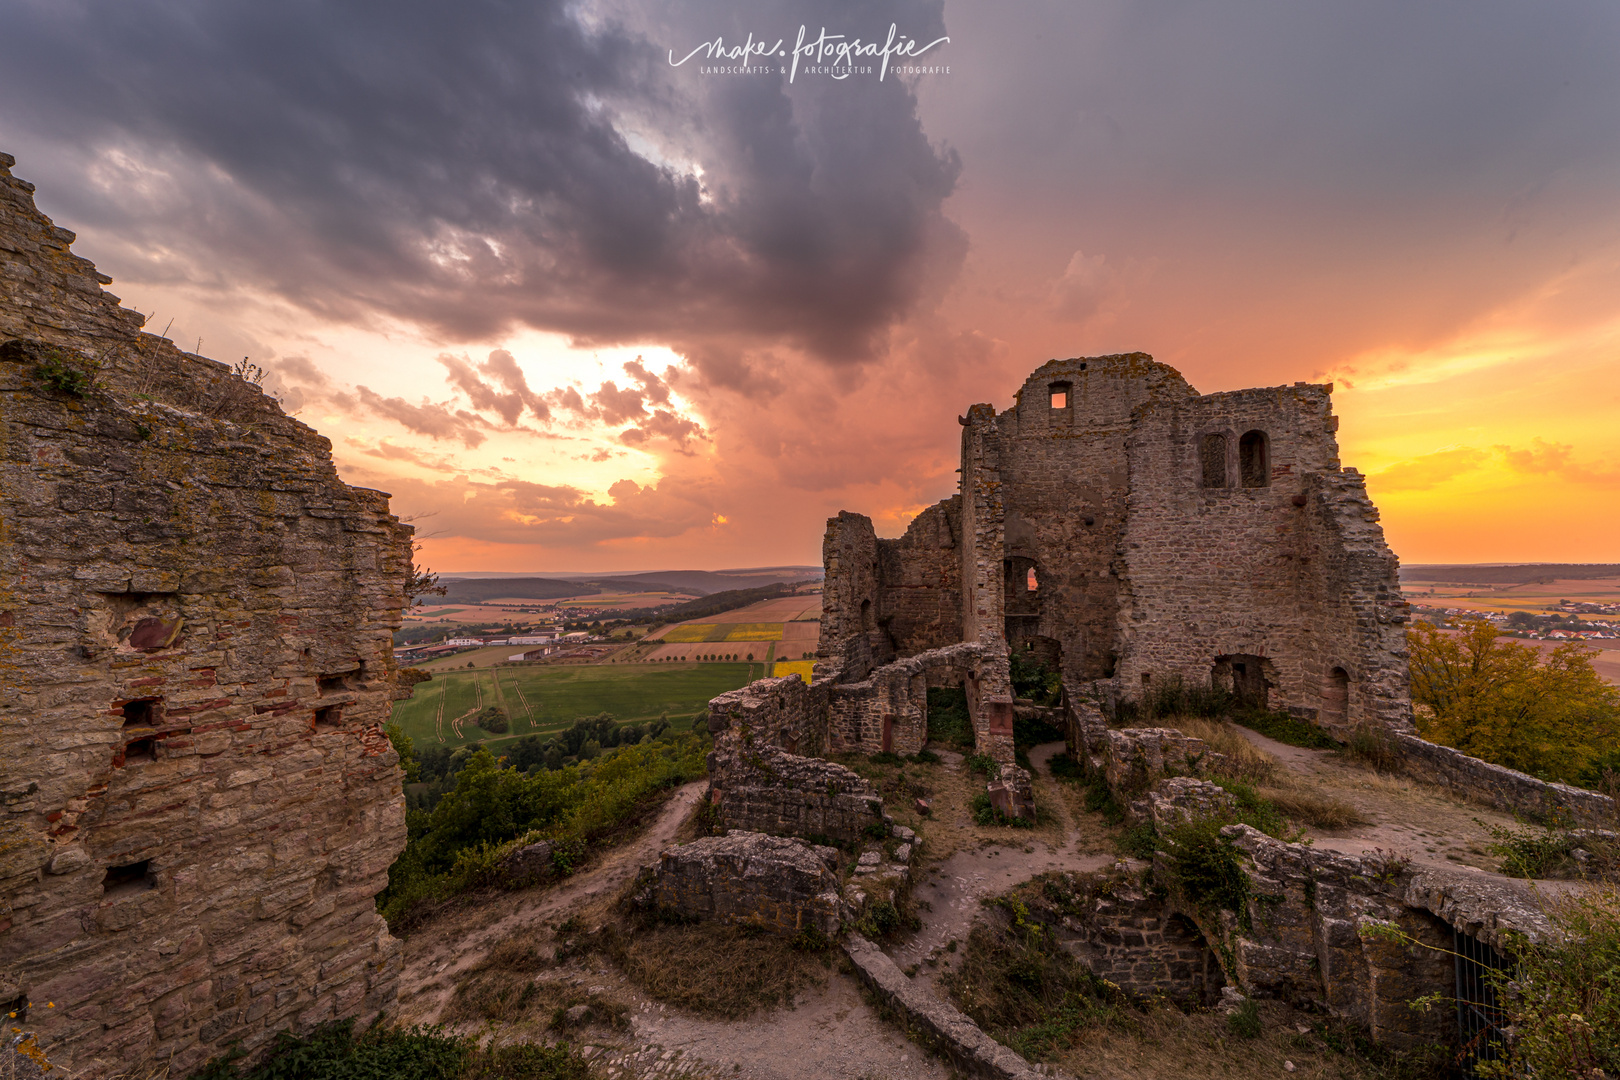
{"x":544,"y":699}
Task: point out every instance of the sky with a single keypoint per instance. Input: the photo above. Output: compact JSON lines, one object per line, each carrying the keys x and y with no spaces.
{"x":580,"y":307}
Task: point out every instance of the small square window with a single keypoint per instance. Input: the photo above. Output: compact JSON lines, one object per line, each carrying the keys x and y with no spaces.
{"x":1060,"y":399}
{"x":140,"y":750}
{"x":331,"y":716}
{"x":131,"y":878}
{"x":142,"y":713}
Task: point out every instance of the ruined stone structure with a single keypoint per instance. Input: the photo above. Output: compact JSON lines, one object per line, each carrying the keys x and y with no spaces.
{"x":199,"y":801}
{"x":1126,"y":530}
{"x":779,"y":884}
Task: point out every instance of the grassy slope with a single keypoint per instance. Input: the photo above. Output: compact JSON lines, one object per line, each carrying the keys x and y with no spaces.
{"x":560,"y":695}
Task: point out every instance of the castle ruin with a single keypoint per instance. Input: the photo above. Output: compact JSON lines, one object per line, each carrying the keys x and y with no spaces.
{"x":198,"y":802}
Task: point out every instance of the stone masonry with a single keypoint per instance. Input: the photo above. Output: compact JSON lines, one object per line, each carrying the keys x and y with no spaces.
{"x":198,"y":803}
{"x":780,"y":884}
{"x":1127,"y":530}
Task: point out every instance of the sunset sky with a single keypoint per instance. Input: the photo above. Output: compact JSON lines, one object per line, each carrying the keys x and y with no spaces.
{"x":580,"y":309}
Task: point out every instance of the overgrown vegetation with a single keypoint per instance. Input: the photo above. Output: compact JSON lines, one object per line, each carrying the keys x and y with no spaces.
{"x":1530,"y":852}
{"x":1032,"y":680}
{"x":1549,"y":715}
{"x":66,"y":375}
{"x":1174,"y":697}
{"x":459,"y":844}
{"x":1286,"y":729}
{"x":334,"y":1051}
{"x":985,"y":813}
{"x":1563,"y":1002}
{"x":948,"y":719}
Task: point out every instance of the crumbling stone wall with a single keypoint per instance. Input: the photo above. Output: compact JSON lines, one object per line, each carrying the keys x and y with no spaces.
{"x":780,"y":884}
{"x":762,"y":788}
{"x":783,"y":712}
{"x":1504,"y":788}
{"x":199,"y":802}
{"x":1126,"y":934}
{"x":1126,"y":530}
{"x":888,"y":709}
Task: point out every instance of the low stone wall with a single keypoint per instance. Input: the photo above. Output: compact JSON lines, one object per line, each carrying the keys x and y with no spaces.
{"x":935,"y":1023}
{"x":781,"y":712}
{"x":779,"y":883}
{"x":1137,"y":756}
{"x":894,"y":698}
{"x":763,"y":788}
{"x":1310,"y":931}
{"x":1127,"y":935}
{"x":1503,"y":788}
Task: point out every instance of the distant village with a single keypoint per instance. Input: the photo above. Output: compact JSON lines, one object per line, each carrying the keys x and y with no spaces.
{"x":1567,"y":621}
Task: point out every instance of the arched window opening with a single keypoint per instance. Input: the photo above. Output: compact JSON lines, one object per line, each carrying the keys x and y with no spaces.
{"x":866,"y":614}
{"x":1254,"y":459}
{"x":1212,"y":460}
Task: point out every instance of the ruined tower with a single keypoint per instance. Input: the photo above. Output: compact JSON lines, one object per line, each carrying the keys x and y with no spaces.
{"x":1126,"y":530}
{"x":198,"y":802}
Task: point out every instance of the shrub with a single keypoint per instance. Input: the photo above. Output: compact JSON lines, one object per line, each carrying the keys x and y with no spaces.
{"x":948,"y":719}
{"x":1139,"y":841}
{"x":885,"y":757}
{"x":1563,"y":1002}
{"x":983,"y":763}
{"x":1374,"y":745}
{"x":1100,"y":799}
{"x":492,"y":718}
{"x":1553,"y":717}
{"x":1244,"y":1021}
{"x":1205,"y":867}
{"x":61,"y":373}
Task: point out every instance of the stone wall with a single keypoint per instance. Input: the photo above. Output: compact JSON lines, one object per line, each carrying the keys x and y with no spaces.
{"x":1501,"y":787}
{"x":888,"y":710}
{"x":1125,"y":529}
{"x":1125,"y":934}
{"x":920,"y":581}
{"x":782,"y":885}
{"x":762,"y":788}
{"x":199,"y":803}
{"x":1286,"y":572}
{"x":783,"y":712}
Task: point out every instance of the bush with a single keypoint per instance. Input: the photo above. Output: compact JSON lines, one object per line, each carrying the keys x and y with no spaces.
{"x":948,"y":719}
{"x":334,"y":1052}
{"x":1563,"y":1002}
{"x":491,"y":808}
{"x":1205,"y":868}
{"x":985,"y":813}
{"x":1065,"y":766}
{"x":1285,"y":729}
{"x":1374,"y":745}
{"x":492,"y":718}
{"x":1553,"y":717}
{"x":1100,"y":800}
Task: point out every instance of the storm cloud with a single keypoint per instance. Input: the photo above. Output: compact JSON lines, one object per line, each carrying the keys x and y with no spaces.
{"x":491,"y":164}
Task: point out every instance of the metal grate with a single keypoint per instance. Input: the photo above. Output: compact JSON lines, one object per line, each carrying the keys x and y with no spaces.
{"x":1479,"y":1019}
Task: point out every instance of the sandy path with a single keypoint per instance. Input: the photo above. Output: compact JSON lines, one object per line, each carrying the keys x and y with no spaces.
{"x":950,"y":892}
{"x":438,"y":954}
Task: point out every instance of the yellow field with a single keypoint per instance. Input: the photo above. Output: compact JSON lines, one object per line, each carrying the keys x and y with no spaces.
{"x":802,"y":668}
{"x":688,"y":632}
{"x":754,"y":631}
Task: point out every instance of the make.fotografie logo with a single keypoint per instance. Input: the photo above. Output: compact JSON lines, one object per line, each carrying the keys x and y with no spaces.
{"x":836,"y":55}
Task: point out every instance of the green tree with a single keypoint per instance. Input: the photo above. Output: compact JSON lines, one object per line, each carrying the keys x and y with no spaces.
{"x":1549,"y":715}
{"x":406,"y":749}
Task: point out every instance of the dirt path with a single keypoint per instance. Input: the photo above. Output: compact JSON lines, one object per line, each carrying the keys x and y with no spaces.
{"x":950,"y":891}
{"x":438,"y":954}
{"x":1405,"y":816}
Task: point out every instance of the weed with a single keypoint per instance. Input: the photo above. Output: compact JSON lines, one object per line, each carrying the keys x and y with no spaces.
{"x":1065,"y":766}
{"x":1100,"y":799}
{"x":1554,"y":853}
{"x":984,"y":763}
{"x":885,"y":757}
{"x":1244,"y":1021}
{"x":985,"y":813}
{"x":60,"y":372}
{"x":1139,"y":841}
{"x":1285,"y":729}
{"x":924,"y":757}
{"x":1374,"y":745}
{"x":1317,"y":811}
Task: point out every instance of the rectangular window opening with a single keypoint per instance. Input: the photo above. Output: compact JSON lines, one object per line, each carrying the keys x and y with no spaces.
{"x":143,"y":712}
{"x":331,"y":716}
{"x":129,"y":878}
{"x":331,"y":684}
{"x":140,"y":750}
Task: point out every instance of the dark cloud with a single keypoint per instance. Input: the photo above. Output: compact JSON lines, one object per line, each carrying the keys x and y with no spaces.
{"x":499,"y":163}
{"x":503,"y":368}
